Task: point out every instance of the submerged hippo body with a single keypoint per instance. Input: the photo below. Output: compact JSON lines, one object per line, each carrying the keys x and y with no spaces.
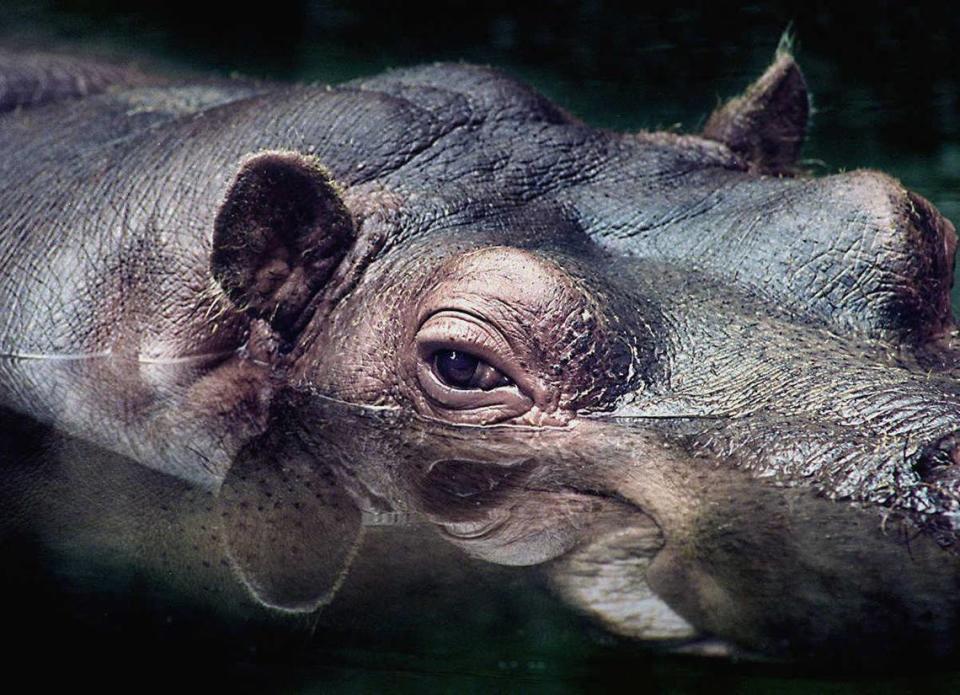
{"x":698,"y":326}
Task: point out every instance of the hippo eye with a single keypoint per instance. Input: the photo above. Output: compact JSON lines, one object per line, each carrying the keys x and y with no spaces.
{"x":467,"y":371}
{"x":461,"y":370}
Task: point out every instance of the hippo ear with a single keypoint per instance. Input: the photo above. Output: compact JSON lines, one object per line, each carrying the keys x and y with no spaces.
{"x":767,"y":124}
{"x":279,"y":235}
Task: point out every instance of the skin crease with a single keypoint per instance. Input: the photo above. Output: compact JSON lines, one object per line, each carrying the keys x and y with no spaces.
{"x":525,"y":303}
{"x":701,"y":325}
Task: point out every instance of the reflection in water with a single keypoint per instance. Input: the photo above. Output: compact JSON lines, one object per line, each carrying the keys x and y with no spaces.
{"x":339,"y":525}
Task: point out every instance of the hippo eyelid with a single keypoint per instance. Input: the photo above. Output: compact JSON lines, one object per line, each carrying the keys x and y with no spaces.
{"x":453,"y":330}
{"x":479,"y":321}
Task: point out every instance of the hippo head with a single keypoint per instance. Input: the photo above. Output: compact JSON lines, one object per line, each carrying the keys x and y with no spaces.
{"x":477,"y":256}
{"x":681,"y":374}
{"x":666,"y":305}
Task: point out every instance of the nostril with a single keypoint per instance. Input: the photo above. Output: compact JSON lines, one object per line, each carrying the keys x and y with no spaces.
{"x":901,"y":252}
{"x":941,"y":459}
{"x":935,"y":241}
{"x":936,"y":233}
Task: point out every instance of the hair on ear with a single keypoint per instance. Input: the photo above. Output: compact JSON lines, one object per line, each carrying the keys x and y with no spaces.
{"x":767,"y":124}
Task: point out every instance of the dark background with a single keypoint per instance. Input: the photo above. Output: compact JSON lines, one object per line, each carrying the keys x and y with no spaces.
{"x":894,"y":66}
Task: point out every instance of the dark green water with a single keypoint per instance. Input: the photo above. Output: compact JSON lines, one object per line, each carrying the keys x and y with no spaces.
{"x":887,"y":94}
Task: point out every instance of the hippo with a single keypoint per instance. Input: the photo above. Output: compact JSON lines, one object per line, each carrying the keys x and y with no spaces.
{"x":716,"y":398}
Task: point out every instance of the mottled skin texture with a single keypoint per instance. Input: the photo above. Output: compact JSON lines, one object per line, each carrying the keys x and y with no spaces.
{"x":176,"y":260}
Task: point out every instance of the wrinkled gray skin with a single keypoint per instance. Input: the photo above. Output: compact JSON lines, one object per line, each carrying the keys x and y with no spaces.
{"x":703,"y":353}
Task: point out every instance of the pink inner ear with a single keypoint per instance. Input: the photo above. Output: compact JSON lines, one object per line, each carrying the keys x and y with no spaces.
{"x":280,"y":233}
